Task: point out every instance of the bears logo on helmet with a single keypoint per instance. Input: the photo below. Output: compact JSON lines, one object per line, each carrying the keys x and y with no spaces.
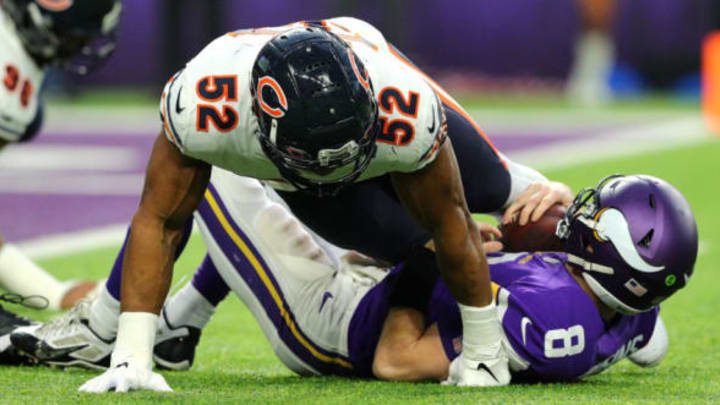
{"x":55,"y":5}
{"x":316,"y":110}
{"x":274,"y":112}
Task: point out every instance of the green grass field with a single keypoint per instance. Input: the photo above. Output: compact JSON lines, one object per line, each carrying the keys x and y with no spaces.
{"x":235,"y":364}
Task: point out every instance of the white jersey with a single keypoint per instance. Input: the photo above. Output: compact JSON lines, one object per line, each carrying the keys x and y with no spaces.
{"x":221,"y":130}
{"x":21,"y":81}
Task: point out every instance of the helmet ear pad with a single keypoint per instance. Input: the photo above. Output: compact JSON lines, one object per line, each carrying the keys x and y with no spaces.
{"x":315,"y":106}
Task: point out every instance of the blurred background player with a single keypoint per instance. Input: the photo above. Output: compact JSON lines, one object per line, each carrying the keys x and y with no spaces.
{"x":36,"y":35}
{"x":594,"y":54}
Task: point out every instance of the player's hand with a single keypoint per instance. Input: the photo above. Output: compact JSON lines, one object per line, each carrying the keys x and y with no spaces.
{"x":532,"y":203}
{"x":467,"y":373}
{"x":490,"y":235}
{"x":126,"y":375}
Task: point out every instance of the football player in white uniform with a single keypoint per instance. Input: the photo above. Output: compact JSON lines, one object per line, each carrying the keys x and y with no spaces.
{"x":344,"y":127}
{"x":35,"y":34}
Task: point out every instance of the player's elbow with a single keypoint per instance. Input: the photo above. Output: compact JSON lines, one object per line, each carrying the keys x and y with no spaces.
{"x":391,"y":367}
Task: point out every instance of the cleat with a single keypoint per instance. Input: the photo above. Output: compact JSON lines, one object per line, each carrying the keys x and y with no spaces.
{"x":66,"y":341}
{"x":175,"y":346}
{"x":9,"y":355}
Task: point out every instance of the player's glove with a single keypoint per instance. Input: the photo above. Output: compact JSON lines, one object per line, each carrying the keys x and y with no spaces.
{"x":131,"y":361}
{"x":483,"y":361}
{"x":126,"y":375}
{"x":468,"y":373}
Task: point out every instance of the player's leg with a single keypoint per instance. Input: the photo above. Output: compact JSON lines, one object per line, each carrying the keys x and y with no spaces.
{"x":20,"y":275}
{"x":594,"y":53}
{"x":247,"y":238}
{"x":85,"y":335}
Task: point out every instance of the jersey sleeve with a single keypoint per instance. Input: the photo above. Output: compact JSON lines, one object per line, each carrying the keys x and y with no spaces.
{"x":172,"y":111}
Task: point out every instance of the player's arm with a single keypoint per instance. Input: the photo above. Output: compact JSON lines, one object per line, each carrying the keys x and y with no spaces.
{"x":531,"y":194}
{"x":174,"y":186}
{"x":407,"y":351}
{"x":435,"y":197}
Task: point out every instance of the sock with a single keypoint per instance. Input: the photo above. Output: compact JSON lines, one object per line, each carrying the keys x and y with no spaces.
{"x":19,"y":275}
{"x":115,"y":278}
{"x":104,"y":314}
{"x":209,"y":284}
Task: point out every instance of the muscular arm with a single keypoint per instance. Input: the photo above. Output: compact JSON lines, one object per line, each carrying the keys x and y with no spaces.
{"x":435,"y":197}
{"x":174,"y":186}
{"x":407,"y":351}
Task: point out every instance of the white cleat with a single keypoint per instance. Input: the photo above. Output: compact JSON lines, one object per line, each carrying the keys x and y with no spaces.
{"x":65,"y":341}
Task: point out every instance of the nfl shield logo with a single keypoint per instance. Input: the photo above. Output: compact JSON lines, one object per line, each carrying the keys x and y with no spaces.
{"x":457,"y":345}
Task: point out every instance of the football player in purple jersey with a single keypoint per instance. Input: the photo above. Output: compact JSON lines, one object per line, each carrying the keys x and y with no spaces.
{"x":348,"y":131}
{"x":631,"y":243}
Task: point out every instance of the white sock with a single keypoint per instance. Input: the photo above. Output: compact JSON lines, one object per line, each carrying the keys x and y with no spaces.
{"x":104,"y":314}
{"x":20,"y":275}
{"x":189,"y":307}
{"x":482,"y":332}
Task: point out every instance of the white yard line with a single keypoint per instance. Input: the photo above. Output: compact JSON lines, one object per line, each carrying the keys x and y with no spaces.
{"x":63,"y":244}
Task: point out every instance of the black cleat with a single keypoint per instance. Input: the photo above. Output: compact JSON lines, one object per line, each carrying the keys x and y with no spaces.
{"x":9,"y":321}
{"x":175,"y":346}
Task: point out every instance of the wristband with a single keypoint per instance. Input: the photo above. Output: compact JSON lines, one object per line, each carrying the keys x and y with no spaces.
{"x":135,"y":339}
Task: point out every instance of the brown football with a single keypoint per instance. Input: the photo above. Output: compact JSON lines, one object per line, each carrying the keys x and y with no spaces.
{"x":534,"y":236}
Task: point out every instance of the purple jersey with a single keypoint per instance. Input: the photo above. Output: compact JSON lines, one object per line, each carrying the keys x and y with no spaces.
{"x":553,"y":329}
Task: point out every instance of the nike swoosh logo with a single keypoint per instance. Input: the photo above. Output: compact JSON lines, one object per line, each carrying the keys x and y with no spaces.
{"x":431,"y":128}
{"x":483,"y":366}
{"x":45,"y":352}
{"x":125,"y":364}
{"x":177,"y":102}
{"x":326,"y":296}
{"x":523,"y":327}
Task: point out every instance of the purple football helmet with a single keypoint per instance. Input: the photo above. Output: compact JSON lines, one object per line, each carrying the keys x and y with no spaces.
{"x":634,"y":238}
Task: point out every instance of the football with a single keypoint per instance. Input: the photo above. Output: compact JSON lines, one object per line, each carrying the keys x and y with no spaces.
{"x":534,"y":236}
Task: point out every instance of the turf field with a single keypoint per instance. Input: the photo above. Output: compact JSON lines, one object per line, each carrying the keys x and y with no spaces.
{"x":234,"y":363}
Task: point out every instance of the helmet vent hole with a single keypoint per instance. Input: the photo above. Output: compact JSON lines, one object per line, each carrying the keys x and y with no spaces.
{"x":645,"y":241}
{"x":315,"y":66}
{"x":652,"y":201}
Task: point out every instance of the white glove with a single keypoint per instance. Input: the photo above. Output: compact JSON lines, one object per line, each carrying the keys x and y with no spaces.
{"x":483,"y":361}
{"x":468,"y":373}
{"x":126,"y":375}
{"x":131,"y":361}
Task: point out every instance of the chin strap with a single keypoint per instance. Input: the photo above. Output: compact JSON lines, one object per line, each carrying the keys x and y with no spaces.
{"x":590,"y":266}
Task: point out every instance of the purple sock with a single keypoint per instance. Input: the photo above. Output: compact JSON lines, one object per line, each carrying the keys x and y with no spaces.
{"x":208,"y":282}
{"x":115,"y":278}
